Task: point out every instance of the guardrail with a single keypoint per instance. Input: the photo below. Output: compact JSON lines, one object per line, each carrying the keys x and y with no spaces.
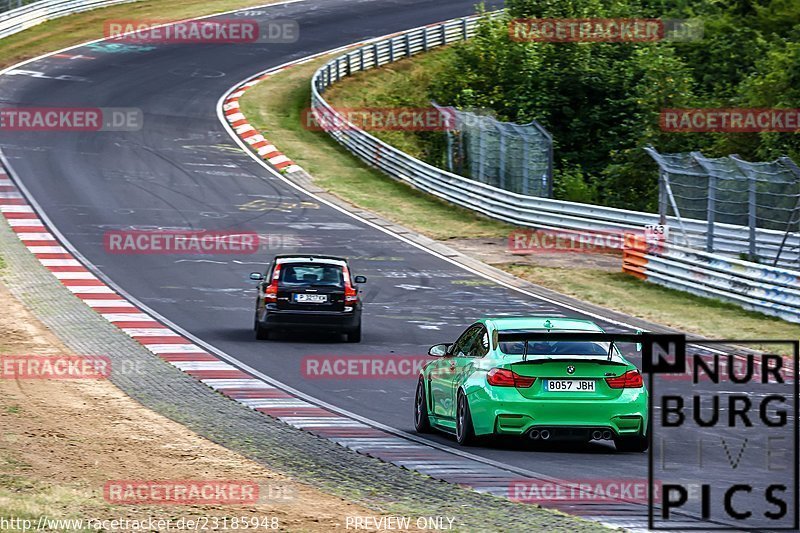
{"x":29,"y":15}
{"x":494,"y":202}
{"x":769,"y":290}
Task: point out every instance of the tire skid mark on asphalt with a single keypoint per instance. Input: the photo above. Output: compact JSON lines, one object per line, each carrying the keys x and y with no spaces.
{"x":223,"y":377}
{"x":239,"y":386}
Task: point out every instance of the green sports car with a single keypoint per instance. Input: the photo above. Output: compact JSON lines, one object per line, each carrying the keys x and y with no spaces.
{"x":535,"y":377}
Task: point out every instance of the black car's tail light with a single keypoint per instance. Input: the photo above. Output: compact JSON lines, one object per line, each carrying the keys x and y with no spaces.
{"x":350,"y":292}
{"x":271,"y":291}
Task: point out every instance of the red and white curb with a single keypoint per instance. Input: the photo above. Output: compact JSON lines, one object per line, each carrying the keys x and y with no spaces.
{"x":236,"y":384}
{"x":265,"y":149}
{"x":256,"y":393}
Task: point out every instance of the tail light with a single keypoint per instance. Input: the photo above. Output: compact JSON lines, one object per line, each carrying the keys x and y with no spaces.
{"x":271,"y":291}
{"x":500,"y":377}
{"x":631,"y":379}
{"x":350,"y":292}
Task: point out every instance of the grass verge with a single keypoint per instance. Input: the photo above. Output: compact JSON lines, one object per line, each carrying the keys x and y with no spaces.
{"x":401,"y":84}
{"x":75,"y":29}
{"x":275,"y":107}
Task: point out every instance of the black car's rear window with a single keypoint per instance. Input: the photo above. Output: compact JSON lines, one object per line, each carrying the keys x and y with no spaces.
{"x":311,"y":274}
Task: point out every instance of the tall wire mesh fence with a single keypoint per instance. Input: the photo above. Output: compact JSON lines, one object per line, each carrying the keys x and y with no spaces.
{"x":7,"y":5}
{"x":732,"y":192}
{"x":514,"y":157}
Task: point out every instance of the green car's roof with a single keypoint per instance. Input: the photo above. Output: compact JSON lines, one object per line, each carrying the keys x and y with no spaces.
{"x":540,"y":322}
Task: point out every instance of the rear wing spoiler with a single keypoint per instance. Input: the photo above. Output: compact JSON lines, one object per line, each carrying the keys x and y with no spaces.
{"x":591,"y":336}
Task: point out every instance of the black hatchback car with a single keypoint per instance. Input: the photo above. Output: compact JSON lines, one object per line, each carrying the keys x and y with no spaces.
{"x":308,"y":291}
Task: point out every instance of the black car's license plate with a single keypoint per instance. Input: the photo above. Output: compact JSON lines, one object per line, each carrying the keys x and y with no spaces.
{"x":311,"y":298}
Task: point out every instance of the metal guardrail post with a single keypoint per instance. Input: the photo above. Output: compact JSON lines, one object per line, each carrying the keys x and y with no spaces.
{"x":424,"y":39}
{"x":711,"y":205}
{"x":662,"y":197}
{"x":465,"y":28}
{"x":502,"y":150}
{"x":526,"y":170}
{"x":791,"y":165}
{"x":751,"y":204}
{"x":481,"y":155}
{"x":711,"y":212}
{"x":391,"y":50}
{"x":408,"y":45}
{"x":751,"y":214}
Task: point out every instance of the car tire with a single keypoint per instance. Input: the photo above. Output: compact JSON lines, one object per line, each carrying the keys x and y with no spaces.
{"x":262,"y":333}
{"x":421,"y":421}
{"x":465,"y":432}
{"x":355,"y":335}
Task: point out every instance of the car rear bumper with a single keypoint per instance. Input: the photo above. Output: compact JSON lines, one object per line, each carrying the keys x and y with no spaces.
{"x":515,"y":415}
{"x":320,"y":320}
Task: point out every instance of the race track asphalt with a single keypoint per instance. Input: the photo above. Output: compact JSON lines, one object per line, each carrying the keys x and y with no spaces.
{"x":182,"y":171}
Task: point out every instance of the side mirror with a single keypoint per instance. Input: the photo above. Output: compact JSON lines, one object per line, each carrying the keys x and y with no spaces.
{"x":439,"y":350}
{"x":360,"y":279}
{"x":257,"y":276}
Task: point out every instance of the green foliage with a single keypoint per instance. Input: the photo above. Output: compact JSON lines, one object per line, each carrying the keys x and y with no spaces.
{"x":602,"y":101}
{"x":571,"y":184}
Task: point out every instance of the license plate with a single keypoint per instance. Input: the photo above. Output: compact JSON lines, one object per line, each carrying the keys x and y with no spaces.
{"x":311,"y":298}
{"x":569,"y":385}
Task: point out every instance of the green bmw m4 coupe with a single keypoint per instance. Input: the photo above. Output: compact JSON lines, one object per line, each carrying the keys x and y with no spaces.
{"x":535,"y":377}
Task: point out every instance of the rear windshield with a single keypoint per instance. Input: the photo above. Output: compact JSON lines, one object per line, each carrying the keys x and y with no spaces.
{"x":311,"y":274}
{"x":555,"y":348}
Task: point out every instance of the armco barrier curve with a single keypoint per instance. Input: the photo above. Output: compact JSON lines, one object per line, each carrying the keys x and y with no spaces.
{"x":773,"y":291}
{"x":494,"y":202}
{"x":769,"y":290}
{"x":27,"y":16}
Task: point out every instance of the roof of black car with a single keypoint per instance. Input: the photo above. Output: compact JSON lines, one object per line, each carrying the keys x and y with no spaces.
{"x":310,"y":256}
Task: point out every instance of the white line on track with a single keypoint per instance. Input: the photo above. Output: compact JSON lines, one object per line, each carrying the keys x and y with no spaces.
{"x":247,"y":383}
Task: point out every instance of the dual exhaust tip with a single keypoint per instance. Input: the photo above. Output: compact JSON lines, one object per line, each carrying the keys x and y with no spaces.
{"x":545,"y":434}
{"x":537,"y":434}
{"x":601,"y":435}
